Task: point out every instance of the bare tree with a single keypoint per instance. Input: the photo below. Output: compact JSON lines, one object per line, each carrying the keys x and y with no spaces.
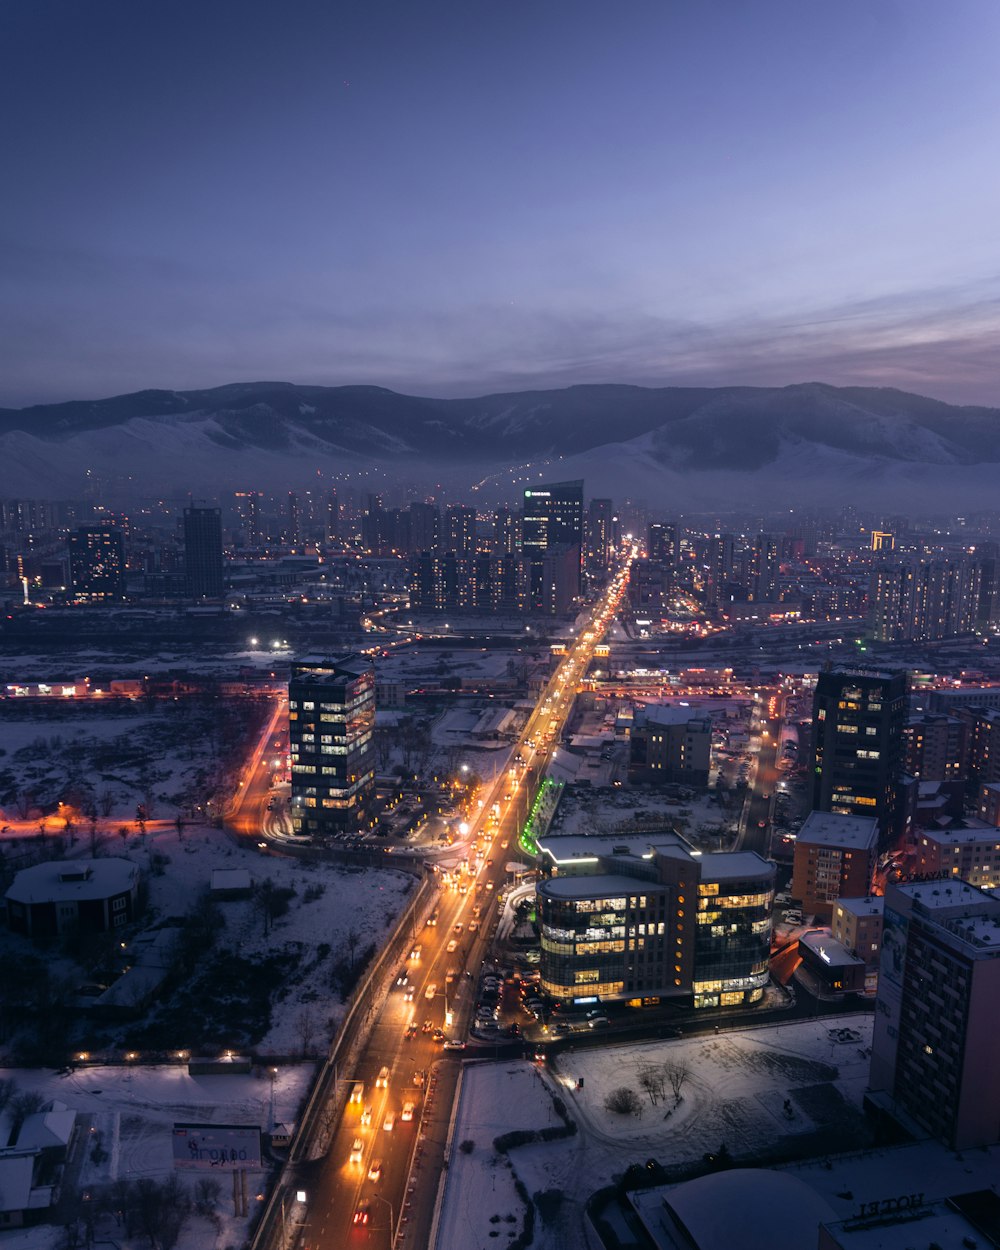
{"x":676,"y":1075}
{"x":305,"y":1024}
{"x":353,"y":940}
{"x":7,"y":1091}
{"x":21,"y":1106}
{"x":650,"y":1080}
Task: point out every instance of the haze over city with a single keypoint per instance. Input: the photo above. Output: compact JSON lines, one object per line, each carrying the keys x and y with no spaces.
{"x":499,"y":626}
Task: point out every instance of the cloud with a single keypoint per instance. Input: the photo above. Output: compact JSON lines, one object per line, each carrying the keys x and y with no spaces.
{"x":181,"y":329}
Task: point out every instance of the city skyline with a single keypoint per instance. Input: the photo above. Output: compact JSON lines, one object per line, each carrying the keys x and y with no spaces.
{"x":454,"y":202}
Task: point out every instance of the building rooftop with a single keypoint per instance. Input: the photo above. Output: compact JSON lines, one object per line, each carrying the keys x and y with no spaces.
{"x":601,"y":885}
{"x":726,"y":865}
{"x":751,"y":1208}
{"x":971,"y":831}
{"x":73,"y":880}
{"x":873,"y":674}
{"x":822,"y":943}
{"x":858,"y":833}
{"x":671,"y":714}
{"x":861,"y":907}
{"x":942,"y":895}
{"x":936,"y":1224}
{"x":567,"y":848}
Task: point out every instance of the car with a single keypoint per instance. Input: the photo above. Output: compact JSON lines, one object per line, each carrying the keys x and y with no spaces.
{"x":489,"y":885}
{"x":402,"y":979}
{"x":432,"y":920}
{"x":431,"y":990}
{"x":358,"y":1091}
{"x":562,"y":1027}
{"x":453,"y":1044}
{"x":457,"y":928}
{"x":375,"y":1170}
{"x":362,"y":1212}
{"x":382,"y":1080}
{"x":366,"y":1116}
{"x":452,"y":946}
{"x":389,"y":1123}
{"x":411,"y":1030}
{"x":473,"y":926}
{"x":357,"y":1150}
{"x":408,"y":994}
{"x":427,"y":1026}
{"x":599,"y":1022}
{"x":406,"y":1114}
{"x":416,"y":952}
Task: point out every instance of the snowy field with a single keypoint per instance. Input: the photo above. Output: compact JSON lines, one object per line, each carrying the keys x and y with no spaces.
{"x":735,"y":1092}
{"x":128,"y":1113}
{"x":269,"y":982}
{"x":103,"y":758}
{"x":482,"y":1208}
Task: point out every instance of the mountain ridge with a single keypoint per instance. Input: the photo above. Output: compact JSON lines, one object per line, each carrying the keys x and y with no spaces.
{"x":242,"y":427}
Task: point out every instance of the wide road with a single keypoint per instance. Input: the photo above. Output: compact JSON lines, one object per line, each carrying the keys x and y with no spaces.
{"x":380,"y":1192}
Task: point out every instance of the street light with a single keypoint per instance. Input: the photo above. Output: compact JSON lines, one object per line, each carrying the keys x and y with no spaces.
{"x":300,"y":1199}
{"x":386,"y":1202}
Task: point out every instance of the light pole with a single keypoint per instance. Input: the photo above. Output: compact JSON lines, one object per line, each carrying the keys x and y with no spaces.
{"x":300,"y":1199}
{"x":392,"y":1227}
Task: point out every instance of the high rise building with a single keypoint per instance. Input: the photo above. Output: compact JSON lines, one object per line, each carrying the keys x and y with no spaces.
{"x":762,"y":582}
{"x":294,"y":532}
{"x":331,"y":713}
{"x":718,"y":568}
{"x":934,"y":1045}
{"x":97,"y":562}
{"x":460,"y":531}
{"x":552,"y":517}
{"x":663,"y":544}
{"x":924,"y":600}
{"x":332,"y":516}
{"x":857,"y":756}
{"x":203,"y":552}
{"x":425,"y":527}
{"x":600,"y":534}
{"x":506,"y":538}
{"x":248,"y":509}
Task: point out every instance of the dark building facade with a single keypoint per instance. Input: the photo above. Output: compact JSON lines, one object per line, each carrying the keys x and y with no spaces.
{"x":552,"y":517}
{"x":857,"y":758}
{"x":331,"y":713}
{"x":97,"y":562}
{"x":203,"y":552}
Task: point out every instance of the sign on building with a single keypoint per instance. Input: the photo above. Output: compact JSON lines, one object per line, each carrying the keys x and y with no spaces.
{"x":204,"y":1147}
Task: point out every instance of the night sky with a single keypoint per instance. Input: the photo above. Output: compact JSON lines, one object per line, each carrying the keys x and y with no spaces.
{"x":453,"y":198}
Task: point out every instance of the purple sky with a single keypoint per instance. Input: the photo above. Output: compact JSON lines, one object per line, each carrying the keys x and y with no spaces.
{"x":452,"y":198}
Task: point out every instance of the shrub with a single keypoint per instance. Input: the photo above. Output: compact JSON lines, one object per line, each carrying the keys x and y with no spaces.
{"x":623,"y":1101}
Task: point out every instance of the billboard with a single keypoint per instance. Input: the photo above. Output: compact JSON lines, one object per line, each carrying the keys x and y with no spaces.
{"x":219,"y":1147}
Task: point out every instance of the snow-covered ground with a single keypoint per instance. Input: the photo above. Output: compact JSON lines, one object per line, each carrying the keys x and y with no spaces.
{"x":106,"y":757}
{"x":735,"y":1093}
{"x":481,"y":1207}
{"x":129,"y":1113}
{"x":334,"y":916}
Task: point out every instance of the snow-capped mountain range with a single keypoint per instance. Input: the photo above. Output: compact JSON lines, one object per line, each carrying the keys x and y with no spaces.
{"x":694,"y":447}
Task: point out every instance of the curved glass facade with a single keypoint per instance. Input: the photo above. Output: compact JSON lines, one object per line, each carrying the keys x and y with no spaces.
{"x":733,"y":940}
